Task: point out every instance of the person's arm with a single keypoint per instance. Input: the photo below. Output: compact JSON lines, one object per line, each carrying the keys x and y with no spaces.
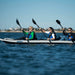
{"x":64,"y":32}
{"x":25,"y":32}
{"x":42,"y":30}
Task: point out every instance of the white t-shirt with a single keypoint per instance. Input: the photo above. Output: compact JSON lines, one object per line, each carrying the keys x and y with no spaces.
{"x":53,"y":35}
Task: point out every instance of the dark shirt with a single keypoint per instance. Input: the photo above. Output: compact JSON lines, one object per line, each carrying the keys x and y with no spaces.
{"x":72,"y":35}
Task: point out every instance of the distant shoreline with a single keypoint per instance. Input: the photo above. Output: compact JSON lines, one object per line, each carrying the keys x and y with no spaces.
{"x":27,"y":31}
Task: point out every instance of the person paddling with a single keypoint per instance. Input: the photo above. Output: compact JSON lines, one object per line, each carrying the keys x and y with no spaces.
{"x":29,"y":35}
{"x":51,"y":33}
{"x":70,"y":35}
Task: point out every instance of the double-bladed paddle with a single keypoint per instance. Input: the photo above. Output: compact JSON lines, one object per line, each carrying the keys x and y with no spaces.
{"x":38,"y":26}
{"x":17,"y":21}
{"x":21,"y":28}
{"x":58,"y":22}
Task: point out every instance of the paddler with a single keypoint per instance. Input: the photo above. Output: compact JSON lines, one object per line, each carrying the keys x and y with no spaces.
{"x":51,"y":33}
{"x":70,"y":35}
{"x":30,"y":35}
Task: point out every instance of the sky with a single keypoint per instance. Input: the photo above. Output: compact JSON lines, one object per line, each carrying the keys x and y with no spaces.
{"x":44,"y":12}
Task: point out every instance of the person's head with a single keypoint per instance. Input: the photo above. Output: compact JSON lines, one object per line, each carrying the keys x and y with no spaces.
{"x":30,"y":28}
{"x":51,"y":29}
{"x":70,"y":30}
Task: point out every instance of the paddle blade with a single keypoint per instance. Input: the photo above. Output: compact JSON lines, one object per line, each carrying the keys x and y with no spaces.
{"x":34,"y":21}
{"x":58,"y":22}
{"x":17,"y":22}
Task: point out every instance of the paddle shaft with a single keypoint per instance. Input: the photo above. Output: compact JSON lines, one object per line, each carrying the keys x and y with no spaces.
{"x":38,"y":26}
{"x":61,"y":26}
{"x":17,"y":21}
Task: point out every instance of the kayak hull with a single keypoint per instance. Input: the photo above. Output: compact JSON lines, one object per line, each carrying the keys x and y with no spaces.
{"x":12,"y":41}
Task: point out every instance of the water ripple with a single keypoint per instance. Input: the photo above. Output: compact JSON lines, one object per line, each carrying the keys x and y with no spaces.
{"x":37,"y":59}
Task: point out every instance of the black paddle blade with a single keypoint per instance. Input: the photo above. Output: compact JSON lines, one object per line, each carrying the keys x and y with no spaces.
{"x":58,"y":22}
{"x":34,"y":21}
{"x":17,"y":22}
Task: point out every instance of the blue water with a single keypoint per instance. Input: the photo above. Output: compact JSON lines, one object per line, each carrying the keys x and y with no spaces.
{"x":36,"y":59}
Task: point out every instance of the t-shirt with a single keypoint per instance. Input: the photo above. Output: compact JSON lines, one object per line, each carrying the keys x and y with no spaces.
{"x":52,"y":35}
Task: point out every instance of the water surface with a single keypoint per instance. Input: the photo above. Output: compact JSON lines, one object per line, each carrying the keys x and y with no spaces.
{"x":38,"y":59}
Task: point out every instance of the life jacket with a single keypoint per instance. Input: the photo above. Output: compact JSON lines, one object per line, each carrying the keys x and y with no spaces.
{"x":70,"y":35}
{"x":50,"y":35}
{"x":34,"y":36}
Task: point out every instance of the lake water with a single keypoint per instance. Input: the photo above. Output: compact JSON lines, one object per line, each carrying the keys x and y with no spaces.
{"x":38,"y":59}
